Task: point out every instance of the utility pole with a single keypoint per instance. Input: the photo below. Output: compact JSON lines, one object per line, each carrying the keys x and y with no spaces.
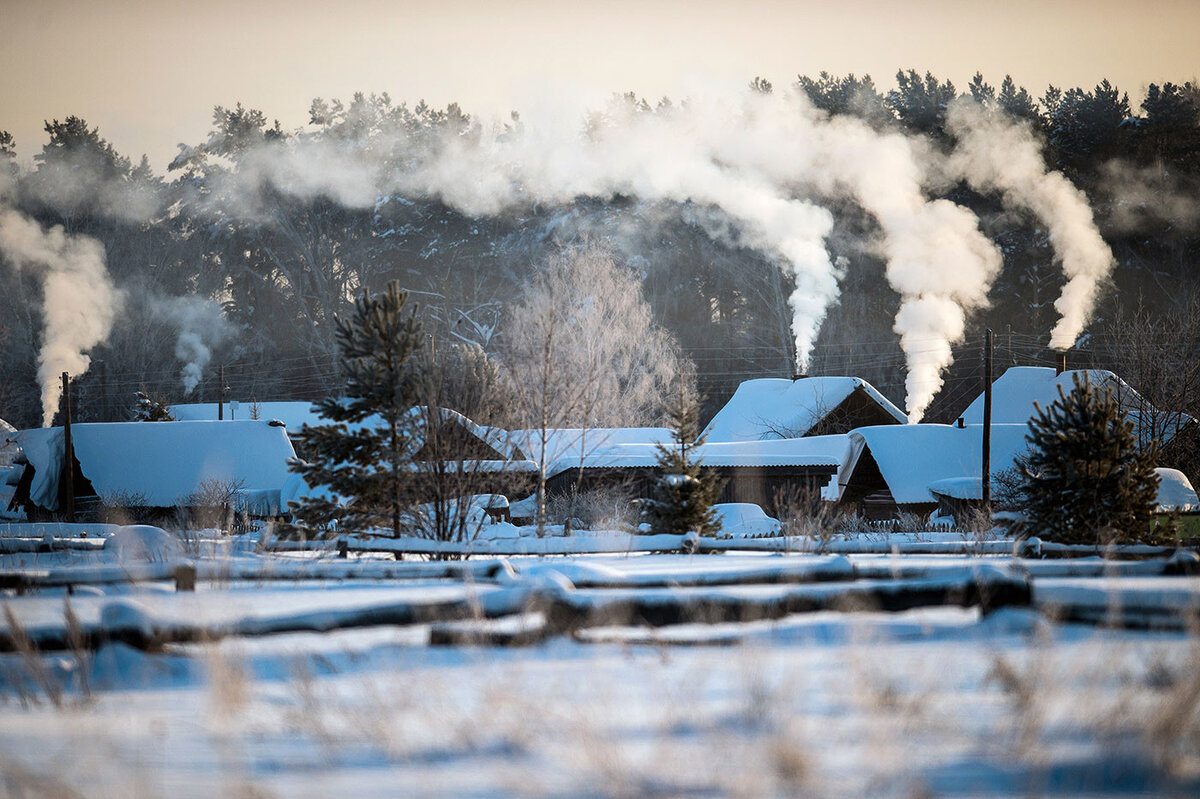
{"x":986,"y":477}
{"x":220,"y":393}
{"x":68,"y":448}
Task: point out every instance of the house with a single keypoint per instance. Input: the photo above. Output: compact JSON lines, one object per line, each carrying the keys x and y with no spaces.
{"x":769,"y":473}
{"x":451,"y":456}
{"x":774,"y":408}
{"x":1015,"y":392}
{"x":454,"y":431}
{"x":155,"y":466}
{"x":579,"y":443}
{"x":906,"y":468}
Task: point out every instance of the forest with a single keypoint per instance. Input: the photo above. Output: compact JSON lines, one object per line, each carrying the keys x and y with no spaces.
{"x":242,"y":254}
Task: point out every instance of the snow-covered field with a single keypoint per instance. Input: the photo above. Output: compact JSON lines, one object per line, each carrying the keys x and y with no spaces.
{"x":931,"y":701}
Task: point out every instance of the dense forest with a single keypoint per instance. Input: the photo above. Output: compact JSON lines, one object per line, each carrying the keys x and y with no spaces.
{"x":221,"y":262}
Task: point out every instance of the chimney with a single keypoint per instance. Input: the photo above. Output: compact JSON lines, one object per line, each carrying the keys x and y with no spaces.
{"x":798,"y":376}
{"x":962,"y":423}
{"x":1062,"y":363}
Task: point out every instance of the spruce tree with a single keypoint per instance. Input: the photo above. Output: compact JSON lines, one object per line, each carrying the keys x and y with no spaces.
{"x":684,"y":493}
{"x":362,"y":458}
{"x":1085,"y":480}
{"x":150,"y":407}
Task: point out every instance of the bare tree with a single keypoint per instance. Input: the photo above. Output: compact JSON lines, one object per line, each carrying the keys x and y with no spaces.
{"x":582,"y":351}
{"x":1158,"y":354}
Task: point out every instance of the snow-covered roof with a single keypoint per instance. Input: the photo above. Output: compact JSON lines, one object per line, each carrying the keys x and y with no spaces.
{"x":1015,"y":391}
{"x":574,"y":443}
{"x":769,"y":407}
{"x":958,"y":487}
{"x":294,"y":415}
{"x":503,"y":441}
{"x":160,"y":461}
{"x":1175,"y":491}
{"x":913,"y":457}
{"x":811,"y":451}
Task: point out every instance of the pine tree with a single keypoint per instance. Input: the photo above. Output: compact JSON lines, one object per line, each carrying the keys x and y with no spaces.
{"x":150,"y":407}
{"x":362,"y":458}
{"x":1086,"y":481}
{"x":684,"y":493}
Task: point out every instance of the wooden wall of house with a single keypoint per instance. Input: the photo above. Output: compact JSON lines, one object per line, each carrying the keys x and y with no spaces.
{"x":859,"y":409}
{"x":772,"y":488}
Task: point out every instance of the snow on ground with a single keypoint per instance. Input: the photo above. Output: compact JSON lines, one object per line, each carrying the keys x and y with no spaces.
{"x":936,"y":702}
{"x":930,"y":702}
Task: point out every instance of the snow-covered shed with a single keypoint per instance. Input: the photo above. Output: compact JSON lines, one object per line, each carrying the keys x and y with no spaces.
{"x":161,"y":464}
{"x":768,"y":408}
{"x":905,"y":467}
{"x":1015,"y":392}
{"x":763,"y":472}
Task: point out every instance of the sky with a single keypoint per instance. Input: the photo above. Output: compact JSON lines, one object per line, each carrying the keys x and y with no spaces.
{"x":148,"y":72}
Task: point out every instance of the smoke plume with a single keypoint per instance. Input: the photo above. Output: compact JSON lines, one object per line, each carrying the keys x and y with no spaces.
{"x":766,"y":162}
{"x":995,"y":153}
{"x":756,"y":168}
{"x":1141,"y":199}
{"x":202,"y":327}
{"x":80,"y":300}
{"x":937,"y":259}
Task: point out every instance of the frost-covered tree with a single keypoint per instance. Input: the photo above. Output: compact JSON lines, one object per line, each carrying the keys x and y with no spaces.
{"x":581,"y":351}
{"x":685,"y":492}
{"x":1085,"y":480}
{"x":362,"y":457}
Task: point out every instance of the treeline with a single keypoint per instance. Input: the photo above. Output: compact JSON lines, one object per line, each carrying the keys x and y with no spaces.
{"x":283,"y":262}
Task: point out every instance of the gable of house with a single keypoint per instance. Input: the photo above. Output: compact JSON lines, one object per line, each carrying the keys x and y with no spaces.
{"x":774,"y":408}
{"x":1015,"y":392}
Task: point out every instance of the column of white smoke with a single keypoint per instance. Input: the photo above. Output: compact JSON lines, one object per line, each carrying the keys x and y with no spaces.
{"x":655,"y":157}
{"x":937,"y":259}
{"x":202,"y":326}
{"x":995,"y":153}
{"x":80,"y":300}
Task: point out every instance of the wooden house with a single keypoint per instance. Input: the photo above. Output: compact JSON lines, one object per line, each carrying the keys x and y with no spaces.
{"x":773,"y":408}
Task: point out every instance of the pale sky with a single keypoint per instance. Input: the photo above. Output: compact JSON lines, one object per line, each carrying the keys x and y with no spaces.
{"x":148,"y":72}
